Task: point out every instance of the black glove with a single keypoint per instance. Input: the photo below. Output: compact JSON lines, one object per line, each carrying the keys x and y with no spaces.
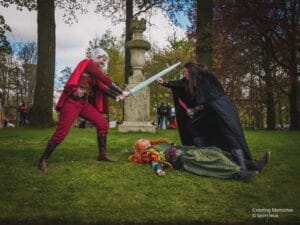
{"x":110,"y":93}
{"x":116,"y":88}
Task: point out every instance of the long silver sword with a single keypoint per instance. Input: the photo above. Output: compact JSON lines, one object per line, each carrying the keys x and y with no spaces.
{"x":153,"y":78}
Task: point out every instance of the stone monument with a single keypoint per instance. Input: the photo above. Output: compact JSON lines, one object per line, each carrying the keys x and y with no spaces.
{"x":137,"y":106}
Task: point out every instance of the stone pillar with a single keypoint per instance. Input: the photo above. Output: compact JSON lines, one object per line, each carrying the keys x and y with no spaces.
{"x":137,"y":107}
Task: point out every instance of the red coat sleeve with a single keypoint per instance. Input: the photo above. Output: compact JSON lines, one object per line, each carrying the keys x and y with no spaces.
{"x":94,"y":70}
{"x":104,"y":88}
{"x":101,"y":86}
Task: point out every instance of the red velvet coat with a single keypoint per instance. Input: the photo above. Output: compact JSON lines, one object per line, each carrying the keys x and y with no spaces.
{"x":100,"y":100}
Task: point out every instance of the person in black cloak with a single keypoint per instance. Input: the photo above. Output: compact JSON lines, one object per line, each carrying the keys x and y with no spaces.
{"x":178,"y":88}
{"x":206,"y":116}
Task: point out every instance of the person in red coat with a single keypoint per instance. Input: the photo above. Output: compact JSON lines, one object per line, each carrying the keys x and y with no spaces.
{"x":84,"y":95}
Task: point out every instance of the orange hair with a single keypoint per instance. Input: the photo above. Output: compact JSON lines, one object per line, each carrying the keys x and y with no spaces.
{"x":139,"y":149}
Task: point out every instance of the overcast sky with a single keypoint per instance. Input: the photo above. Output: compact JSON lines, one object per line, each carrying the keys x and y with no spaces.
{"x":72,"y":40}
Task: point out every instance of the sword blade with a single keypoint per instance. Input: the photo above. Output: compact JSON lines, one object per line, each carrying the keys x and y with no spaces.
{"x":153,"y":78}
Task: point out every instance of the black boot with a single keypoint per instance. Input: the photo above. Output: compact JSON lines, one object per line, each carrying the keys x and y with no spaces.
{"x":43,"y":163}
{"x":102,"y":149}
{"x":246,"y":175}
{"x":259,"y":165}
{"x":239,"y":157}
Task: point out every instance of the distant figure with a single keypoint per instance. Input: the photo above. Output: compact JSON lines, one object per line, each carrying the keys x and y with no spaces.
{"x":23,"y":112}
{"x":161,"y":110}
{"x":82,"y":124}
{"x":173,"y":122}
{"x":29,"y":113}
{"x":168,"y":114}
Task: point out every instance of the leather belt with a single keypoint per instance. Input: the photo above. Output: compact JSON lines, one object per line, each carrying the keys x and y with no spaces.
{"x":76,"y":97}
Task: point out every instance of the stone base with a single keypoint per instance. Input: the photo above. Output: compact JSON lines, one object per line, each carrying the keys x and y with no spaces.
{"x":136,"y":126}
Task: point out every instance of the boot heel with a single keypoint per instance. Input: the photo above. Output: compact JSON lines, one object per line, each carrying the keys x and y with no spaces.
{"x":43,"y":162}
{"x":103,"y":150}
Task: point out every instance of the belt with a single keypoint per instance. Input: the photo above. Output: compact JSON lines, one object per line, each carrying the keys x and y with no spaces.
{"x":76,"y":97}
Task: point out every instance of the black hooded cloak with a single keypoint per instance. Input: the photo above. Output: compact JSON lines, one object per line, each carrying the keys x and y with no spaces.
{"x":218,"y":123}
{"x":178,"y":88}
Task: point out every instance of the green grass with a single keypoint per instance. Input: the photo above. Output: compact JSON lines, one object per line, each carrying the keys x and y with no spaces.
{"x":79,"y":190}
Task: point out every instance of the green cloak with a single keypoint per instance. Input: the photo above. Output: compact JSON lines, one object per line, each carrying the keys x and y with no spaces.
{"x":205,"y":161}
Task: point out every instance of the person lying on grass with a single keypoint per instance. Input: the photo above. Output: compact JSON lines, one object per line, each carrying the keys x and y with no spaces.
{"x":147,"y":151}
{"x":203,"y":161}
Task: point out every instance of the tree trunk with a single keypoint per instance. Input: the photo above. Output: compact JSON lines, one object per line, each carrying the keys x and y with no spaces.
{"x":279,"y":108}
{"x":294,"y":99}
{"x":271,"y":117}
{"x":128,"y":37}
{"x":294,"y":67}
{"x":42,"y":110}
{"x":204,"y":32}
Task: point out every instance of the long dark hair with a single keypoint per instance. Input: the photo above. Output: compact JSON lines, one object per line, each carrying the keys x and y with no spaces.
{"x":196,"y":72}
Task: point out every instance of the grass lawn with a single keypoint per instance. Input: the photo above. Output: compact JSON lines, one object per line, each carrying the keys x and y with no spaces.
{"x":79,"y":190}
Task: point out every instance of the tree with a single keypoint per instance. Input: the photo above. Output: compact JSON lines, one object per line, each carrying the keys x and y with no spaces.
{"x":128,"y":37}
{"x":27,"y":54}
{"x":200,"y":31}
{"x":269,"y":32}
{"x":42,"y":108}
{"x":125,"y":11}
{"x":106,"y":42}
{"x":204,"y":31}
{"x":179,"y":50}
{"x":278,"y":23}
{"x":61,"y":81}
{"x":5,"y":47}
{"x":43,"y":93}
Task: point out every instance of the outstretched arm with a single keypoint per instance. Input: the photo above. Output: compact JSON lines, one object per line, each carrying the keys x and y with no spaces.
{"x":108,"y":91}
{"x":157,"y":168}
{"x":181,"y":83}
{"x":163,"y":82}
{"x":119,"y":90}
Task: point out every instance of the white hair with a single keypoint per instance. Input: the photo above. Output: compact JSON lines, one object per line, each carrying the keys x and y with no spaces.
{"x":96,"y":52}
